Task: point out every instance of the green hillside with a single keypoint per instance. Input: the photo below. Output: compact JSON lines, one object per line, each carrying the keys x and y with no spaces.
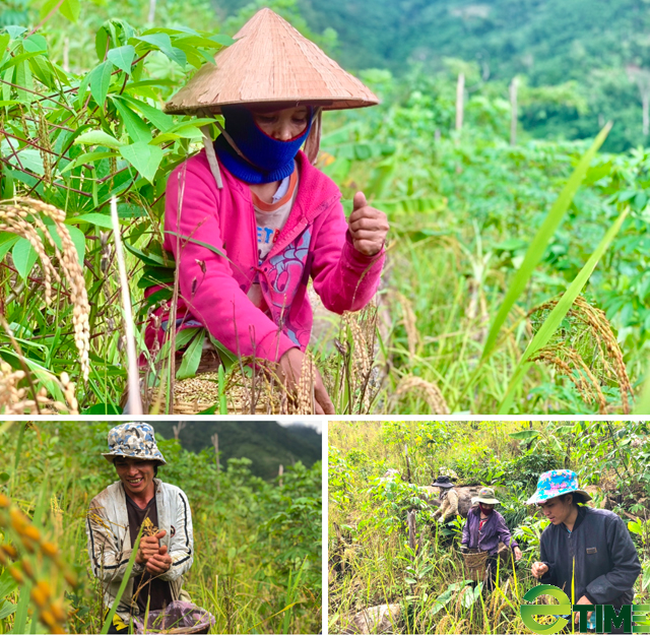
{"x":584,"y":46}
{"x":266,"y":443}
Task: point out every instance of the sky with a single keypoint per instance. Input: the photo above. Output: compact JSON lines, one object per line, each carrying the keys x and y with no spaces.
{"x":317,"y":424}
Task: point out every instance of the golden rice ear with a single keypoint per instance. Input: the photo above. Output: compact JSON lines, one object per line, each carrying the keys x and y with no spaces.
{"x":312,"y":145}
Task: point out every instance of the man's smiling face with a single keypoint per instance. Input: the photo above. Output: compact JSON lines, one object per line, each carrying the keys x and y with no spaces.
{"x":136,"y":475}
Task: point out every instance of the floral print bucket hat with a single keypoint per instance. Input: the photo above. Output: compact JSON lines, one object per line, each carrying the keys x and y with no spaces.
{"x":555,"y":483}
{"x":135,"y":440}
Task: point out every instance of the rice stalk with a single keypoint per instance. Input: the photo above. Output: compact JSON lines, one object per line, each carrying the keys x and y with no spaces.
{"x":40,"y":560}
{"x":14,"y":399}
{"x":21,"y":216}
{"x":428,"y":390}
{"x":305,"y":388}
{"x":586,"y":351}
{"x":410,"y":325}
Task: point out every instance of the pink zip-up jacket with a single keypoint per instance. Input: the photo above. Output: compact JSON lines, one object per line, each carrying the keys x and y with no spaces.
{"x":314,"y":242}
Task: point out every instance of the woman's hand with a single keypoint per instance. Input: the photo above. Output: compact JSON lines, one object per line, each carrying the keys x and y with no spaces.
{"x":368,"y":226}
{"x":539,"y":569}
{"x":517,"y":552}
{"x":290,"y":369}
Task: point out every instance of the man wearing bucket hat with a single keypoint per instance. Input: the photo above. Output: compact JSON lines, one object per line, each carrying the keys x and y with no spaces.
{"x":584,"y":549}
{"x":250,"y":220}
{"x":485,"y":530}
{"x":114,"y":520}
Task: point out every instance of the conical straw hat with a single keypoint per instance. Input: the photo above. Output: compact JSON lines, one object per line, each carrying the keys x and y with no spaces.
{"x":270,"y":63}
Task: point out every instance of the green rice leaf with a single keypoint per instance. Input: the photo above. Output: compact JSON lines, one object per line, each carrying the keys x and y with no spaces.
{"x":540,"y":241}
{"x":192,"y":357}
{"x":79,"y":240}
{"x":556,"y":316}
{"x":125,"y":580}
{"x":95,"y":218}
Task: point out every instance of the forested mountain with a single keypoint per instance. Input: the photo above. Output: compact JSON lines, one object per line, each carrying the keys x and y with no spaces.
{"x":266,"y":443}
{"x":596,"y":50}
{"x":580,"y":63}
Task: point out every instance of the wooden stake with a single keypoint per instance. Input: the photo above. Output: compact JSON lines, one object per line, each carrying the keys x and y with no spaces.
{"x":152,"y":11}
{"x":135,"y":399}
{"x":410,"y":521}
{"x":280,"y":473}
{"x":66,"y":54}
{"x":460,"y":101}
{"x":215,"y":443}
{"x":408,"y":464}
{"x":513,"y":111}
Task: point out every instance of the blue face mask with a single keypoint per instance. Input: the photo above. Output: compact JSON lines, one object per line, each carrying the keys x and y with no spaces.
{"x":268,"y":159}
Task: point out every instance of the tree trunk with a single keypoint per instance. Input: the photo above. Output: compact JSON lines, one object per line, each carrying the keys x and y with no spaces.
{"x":408,"y":464}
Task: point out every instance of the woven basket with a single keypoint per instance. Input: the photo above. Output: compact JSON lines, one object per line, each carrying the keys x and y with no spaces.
{"x":475,"y":564}
{"x":201,"y":392}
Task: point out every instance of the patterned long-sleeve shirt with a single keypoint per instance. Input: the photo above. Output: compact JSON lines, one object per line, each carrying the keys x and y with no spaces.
{"x":449,"y":507}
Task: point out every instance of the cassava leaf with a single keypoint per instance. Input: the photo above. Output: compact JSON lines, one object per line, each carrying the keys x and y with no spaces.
{"x":144,"y":158}
{"x":98,"y":138}
{"x":122,"y":57}
{"x":100,"y":81}
{"x":24,"y":257}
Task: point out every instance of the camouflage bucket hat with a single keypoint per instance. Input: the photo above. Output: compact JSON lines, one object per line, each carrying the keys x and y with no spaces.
{"x":135,"y":440}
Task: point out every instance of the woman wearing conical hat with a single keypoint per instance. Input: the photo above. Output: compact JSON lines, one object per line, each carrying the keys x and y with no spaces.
{"x":256,"y":220}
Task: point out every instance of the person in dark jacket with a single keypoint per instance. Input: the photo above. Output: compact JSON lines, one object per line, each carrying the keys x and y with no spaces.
{"x":585,"y":549}
{"x":485,"y":529}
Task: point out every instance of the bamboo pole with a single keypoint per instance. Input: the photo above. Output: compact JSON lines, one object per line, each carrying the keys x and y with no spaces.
{"x":215,"y":443}
{"x":408,"y":464}
{"x":135,"y":399}
{"x":514,"y":85}
{"x":460,"y":101}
